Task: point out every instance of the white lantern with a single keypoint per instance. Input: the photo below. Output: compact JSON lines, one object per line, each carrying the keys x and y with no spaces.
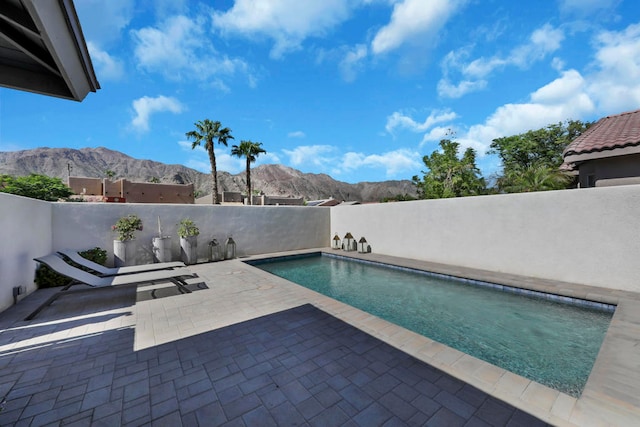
{"x":349,"y":243}
{"x":336,"y":242}
{"x":215,"y":251}
{"x":229,"y":248}
{"x":363,"y":246}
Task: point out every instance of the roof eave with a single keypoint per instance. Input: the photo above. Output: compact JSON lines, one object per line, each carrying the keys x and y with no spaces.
{"x":577,"y":158}
{"x":59,"y":27}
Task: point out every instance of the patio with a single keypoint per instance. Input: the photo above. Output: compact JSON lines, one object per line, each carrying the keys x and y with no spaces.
{"x":248,"y":348}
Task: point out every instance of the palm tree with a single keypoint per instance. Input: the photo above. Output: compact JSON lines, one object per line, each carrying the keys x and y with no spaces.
{"x":207,"y":132}
{"x":537,"y":177}
{"x":250,"y":150}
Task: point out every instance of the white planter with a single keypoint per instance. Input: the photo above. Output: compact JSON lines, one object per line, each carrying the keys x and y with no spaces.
{"x":162,"y":249}
{"x":189,"y":249}
{"x":123,"y":253}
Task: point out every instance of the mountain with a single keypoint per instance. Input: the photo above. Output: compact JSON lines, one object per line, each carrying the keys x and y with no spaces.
{"x":275,"y":180}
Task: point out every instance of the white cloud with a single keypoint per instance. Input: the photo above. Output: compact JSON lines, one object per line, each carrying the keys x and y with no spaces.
{"x":542,"y":42}
{"x":287,"y":22}
{"x":317,"y":155}
{"x":296,"y":134}
{"x":586,"y":7}
{"x":107,"y":67}
{"x":352,"y":62}
{"x":616,"y":84}
{"x":394,"y":163}
{"x":179,"y":47}
{"x":562,"y":99}
{"x":228,"y":163}
{"x":103,"y":21}
{"x":449,"y":90}
{"x":399,"y":120}
{"x":413,"y":20}
{"x":146,"y":106}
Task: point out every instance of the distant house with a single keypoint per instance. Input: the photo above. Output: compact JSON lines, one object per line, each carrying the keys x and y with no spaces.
{"x":608,"y":153}
{"x":236,"y":198}
{"x":124,"y":191}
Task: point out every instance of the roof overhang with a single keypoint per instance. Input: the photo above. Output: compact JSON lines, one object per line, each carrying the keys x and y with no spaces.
{"x":616,"y":152}
{"x":43,"y":50}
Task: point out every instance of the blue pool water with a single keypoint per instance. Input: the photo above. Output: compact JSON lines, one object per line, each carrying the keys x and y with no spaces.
{"x":549,"y":342}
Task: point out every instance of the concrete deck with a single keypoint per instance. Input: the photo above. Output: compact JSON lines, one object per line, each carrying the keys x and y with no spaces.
{"x":250,"y":348}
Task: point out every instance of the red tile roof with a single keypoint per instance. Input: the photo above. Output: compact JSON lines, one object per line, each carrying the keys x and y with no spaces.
{"x":609,"y":133}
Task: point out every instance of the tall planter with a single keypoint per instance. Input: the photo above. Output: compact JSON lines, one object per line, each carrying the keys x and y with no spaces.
{"x":123,"y":253}
{"x":162,"y":249}
{"x":189,"y":249}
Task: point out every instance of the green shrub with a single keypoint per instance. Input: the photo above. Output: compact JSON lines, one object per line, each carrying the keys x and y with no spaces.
{"x":47,"y":278}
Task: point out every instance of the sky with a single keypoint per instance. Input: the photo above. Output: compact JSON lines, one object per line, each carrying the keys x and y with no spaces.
{"x":357,"y":89}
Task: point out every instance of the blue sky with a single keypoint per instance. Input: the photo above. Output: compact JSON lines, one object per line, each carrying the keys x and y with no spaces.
{"x":357,"y":89}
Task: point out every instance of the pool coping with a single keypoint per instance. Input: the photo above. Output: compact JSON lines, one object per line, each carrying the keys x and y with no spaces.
{"x":612,"y":393}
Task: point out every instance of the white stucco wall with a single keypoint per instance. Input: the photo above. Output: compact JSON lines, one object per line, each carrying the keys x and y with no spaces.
{"x":589,"y":236}
{"x":25,"y":233}
{"x":255,"y":229}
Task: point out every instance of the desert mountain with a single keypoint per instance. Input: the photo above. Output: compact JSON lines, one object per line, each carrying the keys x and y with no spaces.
{"x":271,"y":179}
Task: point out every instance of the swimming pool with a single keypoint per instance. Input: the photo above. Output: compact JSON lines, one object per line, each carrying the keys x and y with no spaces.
{"x":547,"y":341}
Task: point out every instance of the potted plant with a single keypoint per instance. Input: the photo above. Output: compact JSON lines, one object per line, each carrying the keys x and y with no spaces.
{"x":188,"y":232}
{"x":122,"y":247}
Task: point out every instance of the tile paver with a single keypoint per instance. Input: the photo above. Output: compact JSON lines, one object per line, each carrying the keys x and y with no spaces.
{"x":250,"y":347}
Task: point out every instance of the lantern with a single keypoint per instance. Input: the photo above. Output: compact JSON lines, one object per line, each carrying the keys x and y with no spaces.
{"x":349,"y":243}
{"x":336,"y":242}
{"x":215,"y":251}
{"x":363,"y":246}
{"x":229,"y":248}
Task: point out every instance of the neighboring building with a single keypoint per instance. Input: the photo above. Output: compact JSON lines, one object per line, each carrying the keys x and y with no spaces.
{"x":124,"y":191}
{"x":608,"y":153}
{"x":236,"y":198}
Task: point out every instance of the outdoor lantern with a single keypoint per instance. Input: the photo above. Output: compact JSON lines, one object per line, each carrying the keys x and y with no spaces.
{"x":336,"y":243}
{"x":363,"y":246}
{"x":215,"y":251}
{"x":229,"y":248}
{"x":349,"y":243}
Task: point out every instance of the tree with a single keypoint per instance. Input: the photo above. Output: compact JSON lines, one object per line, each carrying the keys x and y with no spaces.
{"x":536,"y":150}
{"x":110,"y":174}
{"x":449,"y":176}
{"x":542,"y":146}
{"x":206,"y":133}
{"x":35,"y":186}
{"x":537,"y":177}
{"x":249,"y":150}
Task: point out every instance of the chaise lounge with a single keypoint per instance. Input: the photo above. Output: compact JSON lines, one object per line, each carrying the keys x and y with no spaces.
{"x":80,"y":277}
{"x":103,"y":271}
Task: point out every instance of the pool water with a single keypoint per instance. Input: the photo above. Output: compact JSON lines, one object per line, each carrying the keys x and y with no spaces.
{"x":549,"y":342}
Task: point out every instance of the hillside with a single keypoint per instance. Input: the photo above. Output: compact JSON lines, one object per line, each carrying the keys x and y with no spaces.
{"x":271,"y":179}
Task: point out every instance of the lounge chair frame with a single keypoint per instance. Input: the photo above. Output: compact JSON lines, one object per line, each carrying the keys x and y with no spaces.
{"x":80,"y":277}
{"x":103,"y":271}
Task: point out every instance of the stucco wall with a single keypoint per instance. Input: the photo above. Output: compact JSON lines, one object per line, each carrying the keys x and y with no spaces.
{"x":589,"y":236}
{"x":25,"y":233}
{"x":256,"y":229}
{"x":610,"y":168}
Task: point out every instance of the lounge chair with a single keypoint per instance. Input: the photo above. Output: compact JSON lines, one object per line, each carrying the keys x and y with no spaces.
{"x":81,"y":277}
{"x":103,"y":271}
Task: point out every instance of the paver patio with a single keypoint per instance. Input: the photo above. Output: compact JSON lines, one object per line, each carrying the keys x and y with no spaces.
{"x":246,"y":349}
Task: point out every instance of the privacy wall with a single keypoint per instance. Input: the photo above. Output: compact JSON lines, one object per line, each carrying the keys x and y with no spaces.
{"x":588,"y":236}
{"x":25,"y":232}
{"x":32,"y":228}
{"x":255,"y":229}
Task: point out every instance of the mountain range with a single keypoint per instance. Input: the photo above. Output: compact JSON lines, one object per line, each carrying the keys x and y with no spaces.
{"x":273,"y":180}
